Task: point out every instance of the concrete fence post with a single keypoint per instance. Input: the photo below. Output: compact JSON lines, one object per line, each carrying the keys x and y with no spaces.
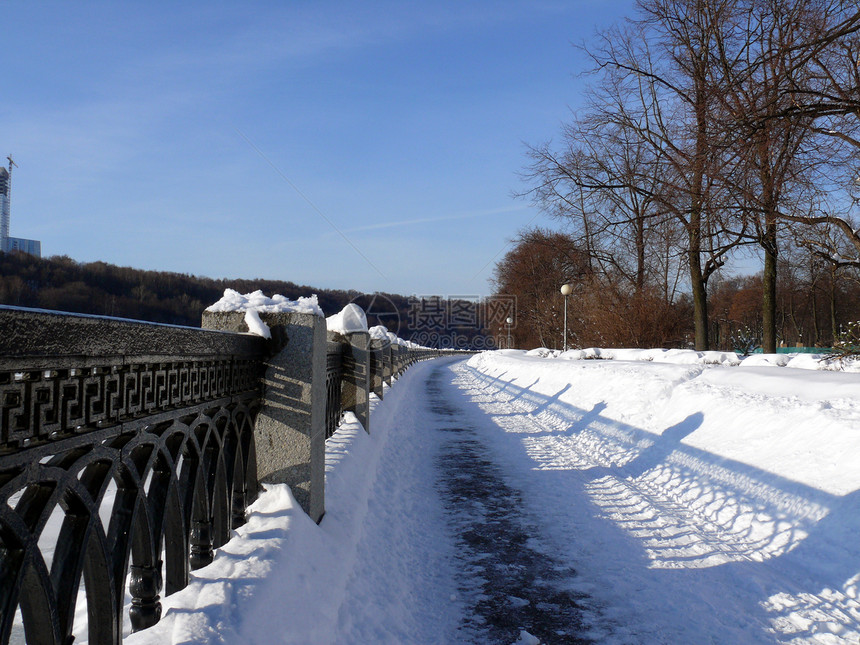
{"x":388,"y":363}
{"x":290,"y":429}
{"x":355,"y":390}
{"x":395,"y":361}
{"x":378,"y":370}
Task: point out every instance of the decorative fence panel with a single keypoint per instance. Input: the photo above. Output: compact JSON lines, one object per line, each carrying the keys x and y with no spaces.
{"x":333,"y":387}
{"x":116,"y":467}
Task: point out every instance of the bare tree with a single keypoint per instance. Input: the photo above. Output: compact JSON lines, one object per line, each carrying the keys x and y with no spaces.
{"x":603,"y":186}
{"x":768,"y":171}
{"x":820,"y":68}
{"x":657,"y":109}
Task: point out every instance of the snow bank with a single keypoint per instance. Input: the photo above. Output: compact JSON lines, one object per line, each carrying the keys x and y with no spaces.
{"x":712,"y":503}
{"x":757,"y":360}
{"x":543,"y":352}
{"x":789,"y":422}
{"x":821,"y":362}
{"x":691,"y":357}
{"x":280,"y":553}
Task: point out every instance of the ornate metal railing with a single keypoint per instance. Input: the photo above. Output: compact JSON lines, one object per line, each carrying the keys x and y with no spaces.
{"x":333,"y":387}
{"x":126,"y":456}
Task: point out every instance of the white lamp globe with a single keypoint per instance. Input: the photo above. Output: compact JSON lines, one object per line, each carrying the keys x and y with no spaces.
{"x":566,"y":289}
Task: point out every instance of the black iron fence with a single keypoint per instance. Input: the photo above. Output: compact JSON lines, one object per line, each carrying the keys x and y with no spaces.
{"x":127,"y":455}
{"x":122,"y":462}
{"x":333,"y":387}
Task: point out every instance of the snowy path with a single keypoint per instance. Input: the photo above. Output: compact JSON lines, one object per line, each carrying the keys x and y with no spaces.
{"x":596,"y":501}
{"x":448,"y":550}
{"x":507,"y":579}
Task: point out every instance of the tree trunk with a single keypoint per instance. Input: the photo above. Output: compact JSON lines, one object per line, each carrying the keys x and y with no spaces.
{"x":700,"y":292}
{"x":816,"y":332}
{"x":833,"y":329}
{"x":640,"y":254}
{"x":768,"y":309}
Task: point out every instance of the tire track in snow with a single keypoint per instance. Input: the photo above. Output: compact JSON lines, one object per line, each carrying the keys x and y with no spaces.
{"x":507,"y":582}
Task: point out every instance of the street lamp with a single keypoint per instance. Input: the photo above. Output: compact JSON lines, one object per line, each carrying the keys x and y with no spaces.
{"x":510,"y":321}
{"x":566,"y":290}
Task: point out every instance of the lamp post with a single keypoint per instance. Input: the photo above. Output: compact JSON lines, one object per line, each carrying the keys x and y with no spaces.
{"x":565,"y":291}
{"x":509,"y":320}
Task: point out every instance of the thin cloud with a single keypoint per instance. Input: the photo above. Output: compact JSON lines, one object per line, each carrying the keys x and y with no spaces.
{"x":425,"y":220}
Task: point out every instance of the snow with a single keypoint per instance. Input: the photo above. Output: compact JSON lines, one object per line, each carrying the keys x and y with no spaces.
{"x":348,"y":320}
{"x":235,"y":301}
{"x":255,"y":325}
{"x":691,"y":357}
{"x":527,"y":639}
{"x":821,"y":362}
{"x":755,"y":360}
{"x":379,"y":332}
{"x":743,"y":482}
{"x":686,"y":499}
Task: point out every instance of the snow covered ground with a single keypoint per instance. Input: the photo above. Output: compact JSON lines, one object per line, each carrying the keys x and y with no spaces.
{"x":643,"y":501}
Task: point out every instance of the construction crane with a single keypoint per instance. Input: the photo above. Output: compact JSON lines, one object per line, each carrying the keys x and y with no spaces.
{"x":12,"y":164}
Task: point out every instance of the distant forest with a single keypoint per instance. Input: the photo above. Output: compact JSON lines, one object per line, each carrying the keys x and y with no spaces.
{"x":63,"y":284}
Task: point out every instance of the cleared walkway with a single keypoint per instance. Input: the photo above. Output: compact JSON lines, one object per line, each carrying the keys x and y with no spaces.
{"x":449,"y":549}
{"x":509,"y":582}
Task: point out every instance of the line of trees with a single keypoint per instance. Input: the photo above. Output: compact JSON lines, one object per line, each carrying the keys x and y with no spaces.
{"x":714,"y":127}
{"x":816,"y":300}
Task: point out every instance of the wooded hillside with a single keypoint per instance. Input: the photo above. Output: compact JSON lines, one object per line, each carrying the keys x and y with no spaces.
{"x":63,"y":284}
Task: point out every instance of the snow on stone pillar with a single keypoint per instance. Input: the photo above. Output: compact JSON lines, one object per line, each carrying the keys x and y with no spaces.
{"x":349,"y":327}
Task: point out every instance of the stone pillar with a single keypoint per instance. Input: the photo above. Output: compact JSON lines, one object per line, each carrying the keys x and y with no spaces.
{"x":399,"y":353}
{"x":387,"y":362}
{"x":290,"y":429}
{"x":377,"y":376}
{"x":395,"y":361}
{"x":401,"y":359}
{"x":355,"y":391}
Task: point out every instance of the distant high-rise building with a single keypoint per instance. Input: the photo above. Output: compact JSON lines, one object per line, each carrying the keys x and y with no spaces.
{"x":4,"y":204}
{"x":9,"y":244}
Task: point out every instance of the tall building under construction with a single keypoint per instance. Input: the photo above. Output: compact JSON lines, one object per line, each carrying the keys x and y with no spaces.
{"x":7,"y":243}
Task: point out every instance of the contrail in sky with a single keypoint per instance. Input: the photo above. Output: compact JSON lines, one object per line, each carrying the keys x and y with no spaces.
{"x":443,"y":218}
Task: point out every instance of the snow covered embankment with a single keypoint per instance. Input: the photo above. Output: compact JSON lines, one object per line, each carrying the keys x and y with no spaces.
{"x":743,"y":482}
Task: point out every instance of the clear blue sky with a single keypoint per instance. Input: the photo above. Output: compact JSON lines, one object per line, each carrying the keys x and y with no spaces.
{"x":217,"y":138}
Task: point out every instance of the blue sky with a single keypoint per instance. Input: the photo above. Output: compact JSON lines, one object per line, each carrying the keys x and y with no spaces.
{"x":354,"y":145}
